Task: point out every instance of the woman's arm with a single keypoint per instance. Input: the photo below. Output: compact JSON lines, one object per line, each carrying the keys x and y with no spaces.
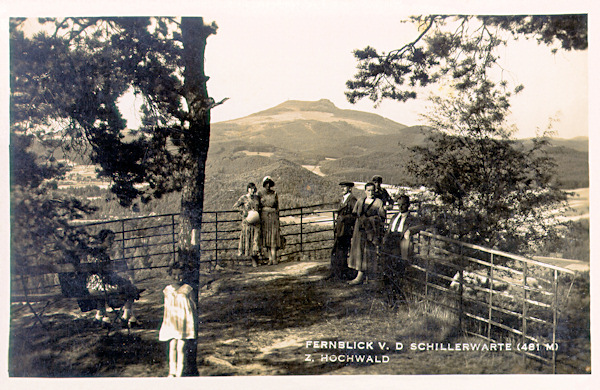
{"x":240,"y":202}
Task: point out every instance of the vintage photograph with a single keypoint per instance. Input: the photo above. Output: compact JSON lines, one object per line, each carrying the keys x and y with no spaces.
{"x":265,"y":188}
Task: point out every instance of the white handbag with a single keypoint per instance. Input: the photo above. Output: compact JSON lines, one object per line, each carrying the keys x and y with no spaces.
{"x":253,"y":217}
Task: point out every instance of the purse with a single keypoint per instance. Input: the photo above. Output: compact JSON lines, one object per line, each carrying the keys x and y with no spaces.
{"x":253,"y":217}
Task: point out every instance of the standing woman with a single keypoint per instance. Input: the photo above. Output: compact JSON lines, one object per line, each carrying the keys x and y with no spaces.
{"x":368,"y":232}
{"x":269,"y":219}
{"x":250,"y":237}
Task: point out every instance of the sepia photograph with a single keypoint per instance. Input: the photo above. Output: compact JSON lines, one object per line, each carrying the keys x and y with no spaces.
{"x":323,"y":189}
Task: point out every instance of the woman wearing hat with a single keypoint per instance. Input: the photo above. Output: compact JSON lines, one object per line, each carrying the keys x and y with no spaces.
{"x":269,"y":219}
{"x":249,"y":203}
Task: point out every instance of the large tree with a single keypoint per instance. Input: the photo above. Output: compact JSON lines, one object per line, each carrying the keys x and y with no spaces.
{"x":490,"y":188}
{"x":66,"y":85}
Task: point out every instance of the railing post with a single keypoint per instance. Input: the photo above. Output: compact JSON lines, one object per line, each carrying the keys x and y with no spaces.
{"x":461,"y":288}
{"x":554,"y":321}
{"x":427,"y":278}
{"x":173,"y":237}
{"x":216,"y":238}
{"x":333,"y":219}
{"x":427,"y":266}
{"x":301,"y":231}
{"x":123,"y":242}
{"x":524,"y":324}
{"x":491,"y":296}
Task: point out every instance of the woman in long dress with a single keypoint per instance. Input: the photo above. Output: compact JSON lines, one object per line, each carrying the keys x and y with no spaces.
{"x":368,"y":232}
{"x":249,"y":244}
{"x":269,"y":219}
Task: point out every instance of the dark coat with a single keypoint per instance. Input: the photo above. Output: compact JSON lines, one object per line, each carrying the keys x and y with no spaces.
{"x":344,"y":222}
{"x":368,"y":231}
{"x":344,"y":227}
{"x":385,"y":197}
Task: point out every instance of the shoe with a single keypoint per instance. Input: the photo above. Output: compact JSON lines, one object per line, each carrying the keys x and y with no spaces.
{"x":138,"y":293}
{"x":133,"y":322}
{"x":103,"y":320}
{"x":358,"y":280}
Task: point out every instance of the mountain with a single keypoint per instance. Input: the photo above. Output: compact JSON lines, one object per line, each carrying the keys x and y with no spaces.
{"x":344,"y":144}
{"x":580,"y":144}
{"x":306,"y":126}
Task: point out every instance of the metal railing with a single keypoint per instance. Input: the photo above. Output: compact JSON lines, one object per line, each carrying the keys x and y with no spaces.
{"x":498,"y":296}
{"x":148,"y":244}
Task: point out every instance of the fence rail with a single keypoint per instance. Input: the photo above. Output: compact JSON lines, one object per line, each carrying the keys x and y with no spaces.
{"x":496,"y":295}
{"x":148,"y":244}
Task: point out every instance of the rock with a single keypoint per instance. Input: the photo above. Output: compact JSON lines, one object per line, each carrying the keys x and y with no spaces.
{"x":215,"y":361}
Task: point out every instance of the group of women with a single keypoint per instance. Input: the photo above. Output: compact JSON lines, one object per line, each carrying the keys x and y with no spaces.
{"x":260,"y":222}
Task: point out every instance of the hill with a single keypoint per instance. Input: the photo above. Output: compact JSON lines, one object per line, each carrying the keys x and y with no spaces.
{"x":343,"y":144}
{"x":305,"y":126}
{"x":227,"y":177}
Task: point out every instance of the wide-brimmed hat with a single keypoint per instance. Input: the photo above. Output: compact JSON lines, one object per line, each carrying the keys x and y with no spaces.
{"x":267,"y":179}
{"x":347,"y":183}
{"x":377,"y":179}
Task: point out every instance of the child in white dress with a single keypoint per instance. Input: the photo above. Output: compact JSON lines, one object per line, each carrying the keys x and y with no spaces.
{"x":179,"y":321}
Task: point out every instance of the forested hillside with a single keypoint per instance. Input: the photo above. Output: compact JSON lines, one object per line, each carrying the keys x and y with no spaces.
{"x":344,"y":144}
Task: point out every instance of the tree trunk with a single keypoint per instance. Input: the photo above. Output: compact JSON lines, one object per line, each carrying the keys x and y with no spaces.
{"x":194,"y":35}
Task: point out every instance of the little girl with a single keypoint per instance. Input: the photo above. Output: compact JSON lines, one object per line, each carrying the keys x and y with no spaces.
{"x":179,"y":320}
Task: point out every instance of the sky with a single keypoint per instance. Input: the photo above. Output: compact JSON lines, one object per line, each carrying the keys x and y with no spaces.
{"x":268,"y":52}
{"x":265,"y":53}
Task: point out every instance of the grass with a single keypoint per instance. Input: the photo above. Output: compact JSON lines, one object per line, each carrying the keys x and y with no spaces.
{"x":257,"y":322}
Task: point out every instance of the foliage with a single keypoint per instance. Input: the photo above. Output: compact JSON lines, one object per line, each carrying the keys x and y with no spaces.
{"x":77,"y":76}
{"x":490,"y":190}
{"x":454,"y":47}
{"x":571,"y":242}
{"x":40,"y":214}
{"x":493,"y":191}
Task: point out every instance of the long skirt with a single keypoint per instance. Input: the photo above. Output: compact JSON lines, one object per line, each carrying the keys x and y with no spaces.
{"x":249,"y":240}
{"x":363,"y":254}
{"x":271,"y":235}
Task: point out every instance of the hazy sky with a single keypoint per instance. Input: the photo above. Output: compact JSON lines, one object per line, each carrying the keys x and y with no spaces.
{"x":262,"y":56}
{"x":267,"y":52}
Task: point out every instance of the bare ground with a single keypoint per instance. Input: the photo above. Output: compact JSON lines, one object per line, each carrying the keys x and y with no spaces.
{"x":258,"y":322}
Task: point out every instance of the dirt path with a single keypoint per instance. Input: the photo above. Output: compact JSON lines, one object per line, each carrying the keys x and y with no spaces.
{"x":254,"y":322}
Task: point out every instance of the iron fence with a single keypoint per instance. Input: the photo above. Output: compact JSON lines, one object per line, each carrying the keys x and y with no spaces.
{"x":498,"y":296}
{"x":148,"y":244}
